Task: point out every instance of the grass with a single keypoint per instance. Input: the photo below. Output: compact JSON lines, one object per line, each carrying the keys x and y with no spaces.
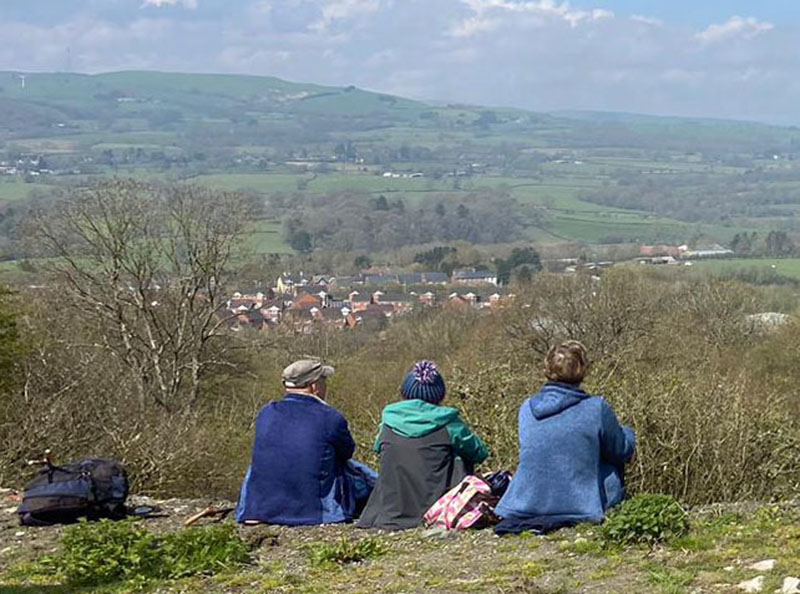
{"x":339,"y":558}
{"x":100,"y":553}
{"x":631,"y":228}
{"x":366,"y":183}
{"x":13,"y":189}
{"x":346,"y":551}
{"x":267,"y":238}
{"x":47,"y":145}
{"x":788,"y":267}
{"x":258,"y":182}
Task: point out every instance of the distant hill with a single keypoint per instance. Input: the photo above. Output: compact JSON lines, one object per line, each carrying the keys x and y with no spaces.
{"x":58,"y":97}
{"x":128,"y":101}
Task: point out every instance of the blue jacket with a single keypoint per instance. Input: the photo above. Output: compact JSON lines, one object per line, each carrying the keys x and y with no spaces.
{"x":297,"y":473}
{"x":572,"y":452}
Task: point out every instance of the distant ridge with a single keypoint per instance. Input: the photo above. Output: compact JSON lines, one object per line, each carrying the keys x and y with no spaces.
{"x":194,"y":91}
{"x":626,"y":117}
{"x":249,"y":109}
{"x":184,"y":89}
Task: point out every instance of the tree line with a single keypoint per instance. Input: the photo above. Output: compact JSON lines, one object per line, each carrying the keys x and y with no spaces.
{"x":349,"y":222}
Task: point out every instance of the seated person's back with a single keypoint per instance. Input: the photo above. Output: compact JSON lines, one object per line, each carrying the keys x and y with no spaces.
{"x":572,"y":450}
{"x":302,"y":446}
{"x":425,"y":450}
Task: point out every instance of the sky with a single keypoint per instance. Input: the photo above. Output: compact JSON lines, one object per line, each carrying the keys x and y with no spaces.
{"x":735,"y":59}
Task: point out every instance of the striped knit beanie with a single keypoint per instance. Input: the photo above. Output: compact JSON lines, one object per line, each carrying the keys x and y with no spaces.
{"x":424,"y":382}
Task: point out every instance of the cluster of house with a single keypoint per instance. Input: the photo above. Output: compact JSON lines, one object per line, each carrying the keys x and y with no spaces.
{"x":28,"y":165}
{"x":300,"y":303}
{"x":394,"y":175}
{"x":648,"y":254}
{"x":670,"y":254}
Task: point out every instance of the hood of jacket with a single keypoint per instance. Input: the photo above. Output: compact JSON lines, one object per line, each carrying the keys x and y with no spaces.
{"x":555,"y":398}
{"x":416,"y":418}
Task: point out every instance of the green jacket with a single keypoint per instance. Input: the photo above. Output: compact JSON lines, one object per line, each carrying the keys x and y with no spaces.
{"x":416,"y":418}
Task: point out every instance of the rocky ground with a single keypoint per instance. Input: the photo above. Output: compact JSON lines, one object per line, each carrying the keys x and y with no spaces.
{"x":742,"y":548}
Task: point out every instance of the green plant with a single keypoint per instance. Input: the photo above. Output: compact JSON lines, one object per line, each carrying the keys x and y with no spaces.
{"x":646,"y":519}
{"x":346,"y":551}
{"x":207,"y":549}
{"x":670,"y":581}
{"x":95,"y":553}
{"x":105,"y":551}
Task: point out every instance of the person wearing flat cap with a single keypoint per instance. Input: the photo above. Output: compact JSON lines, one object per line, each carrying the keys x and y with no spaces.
{"x":301,"y":472}
{"x":425,"y":450}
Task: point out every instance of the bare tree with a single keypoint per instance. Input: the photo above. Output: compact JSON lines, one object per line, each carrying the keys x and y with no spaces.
{"x":147,"y":265}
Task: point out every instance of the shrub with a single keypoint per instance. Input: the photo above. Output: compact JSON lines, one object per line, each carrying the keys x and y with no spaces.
{"x":716,"y":408}
{"x":95,"y":553}
{"x":106,"y":551}
{"x":207,"y":550}
{"x":346,"y":551}
{"x":645,"y":519}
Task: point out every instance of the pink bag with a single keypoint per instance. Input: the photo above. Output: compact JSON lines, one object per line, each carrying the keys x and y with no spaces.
{"x":470,"y":504}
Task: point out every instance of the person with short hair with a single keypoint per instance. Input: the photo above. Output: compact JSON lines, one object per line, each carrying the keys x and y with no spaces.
{"x":572,"y":451}
{"x":425,"y":450}
{"x":301,"y":472}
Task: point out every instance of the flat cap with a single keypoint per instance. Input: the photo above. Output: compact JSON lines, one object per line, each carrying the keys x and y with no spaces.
{"x":304,"y":373}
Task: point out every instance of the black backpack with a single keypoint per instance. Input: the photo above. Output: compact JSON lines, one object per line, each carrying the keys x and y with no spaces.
{"x":92,"y":488}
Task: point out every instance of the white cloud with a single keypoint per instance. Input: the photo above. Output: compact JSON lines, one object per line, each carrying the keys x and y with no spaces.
{"x":473,"y":26}
{"x":185,"y":3}
{"x":735,"y":26}
{"x":344,"y":10}
{"x":489,"y":15}
{"x":541,"y":55}
{"x":646,"y":20}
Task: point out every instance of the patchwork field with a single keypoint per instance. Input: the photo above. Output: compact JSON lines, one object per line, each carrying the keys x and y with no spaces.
{"x":564,"y":216}
{"x":590,"y":177}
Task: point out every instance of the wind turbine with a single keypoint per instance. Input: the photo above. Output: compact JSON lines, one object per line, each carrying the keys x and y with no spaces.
{"x":22,"y":80}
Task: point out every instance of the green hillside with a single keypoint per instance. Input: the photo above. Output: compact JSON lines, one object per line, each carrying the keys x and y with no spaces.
{"x":576,"y":176}
{"x":70,"y":96}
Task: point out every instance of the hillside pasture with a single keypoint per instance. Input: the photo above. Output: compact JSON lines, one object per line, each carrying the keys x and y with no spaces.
{"x":597,"y":227}
{"x":266,"y":183}
{"x":266,"y":238}
{"x":787,"y":267}
{"x":13,"y":189}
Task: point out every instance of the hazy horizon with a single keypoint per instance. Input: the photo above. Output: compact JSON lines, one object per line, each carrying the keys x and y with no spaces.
{"x":729,"y":61}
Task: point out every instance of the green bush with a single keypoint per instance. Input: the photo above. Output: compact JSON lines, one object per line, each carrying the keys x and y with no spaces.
{"x":95,"y":553}
{"x":106,"y":551}
{"x":208,"y":549}
{"x":346,"y":551}
{"x":645,"y":519}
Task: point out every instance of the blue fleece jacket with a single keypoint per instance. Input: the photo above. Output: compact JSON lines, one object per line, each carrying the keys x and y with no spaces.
{"x":297,"y":473}
{"x":572,"y":453}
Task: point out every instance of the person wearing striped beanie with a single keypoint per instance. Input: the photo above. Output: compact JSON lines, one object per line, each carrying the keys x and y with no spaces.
{"x":425,"y":450}
{"x":424,"y":382}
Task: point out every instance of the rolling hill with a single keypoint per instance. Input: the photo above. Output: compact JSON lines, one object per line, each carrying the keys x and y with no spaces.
{"x":578,"y":176}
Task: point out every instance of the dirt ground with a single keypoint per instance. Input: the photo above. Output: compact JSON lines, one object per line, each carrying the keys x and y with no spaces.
{"x":716,"y":557}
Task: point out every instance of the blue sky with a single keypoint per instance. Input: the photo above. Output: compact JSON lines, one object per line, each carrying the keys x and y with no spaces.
{"x":729,"y":59}
{"x":703,"y":12}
